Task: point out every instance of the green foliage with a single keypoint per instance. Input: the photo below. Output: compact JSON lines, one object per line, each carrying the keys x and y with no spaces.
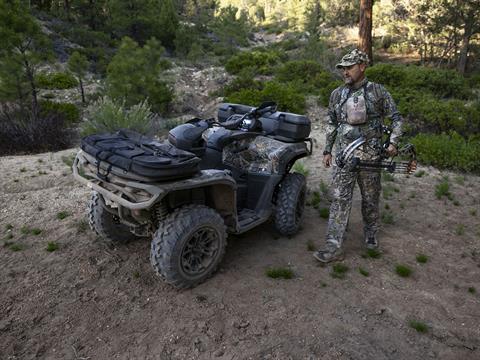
{"x":460,"y":229}
{"x":167,"y":22}
{"x":448,"y":151}
{"x":339,"y":271}
{"x":324,"y":213}
{"x":106,"y":115}
{"x":325,"y":92}
{"x":280,"y":272}
{"x":231,"y":30}
{"x":36,"y":231}
{"x":472,"y":290}
{"x":315,"y":200}
{"x":363,"y":272}
{"x":16,"y":247}
{"x":403,"y":270}
{"x":59,"y":80}
{"x":300,"y":168}
{"x":373,"y":253}
{"x":418,"y":325}
{"x":443,"y":189}
{"x":62,"y":215}
{"x":67,"y":111}
{"x":419,"y":173}
{"x":134,"y":75}
{"x":310,"y":245}
{"x":422,"y":258}
{"x":261,"y":62}
{"x":285,"y":95}
{"x":387,"y":218}
{"x":52,"y":246}
{"x":441,"y":83}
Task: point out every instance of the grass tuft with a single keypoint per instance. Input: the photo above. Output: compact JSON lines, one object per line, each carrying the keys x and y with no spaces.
{"x":315,"y":200}
{"x":373,"y":253}
{"x":387,"y":177}
{"x":387,"y":218}
{"x":460,"y":229}
{"x":279,"y":272}
{"x":443,"y":189}
{"x":419,"y":173}
{"x":310,"y":245}
{"x":52,"y":246}
{"x":363,"y":271}
{"x":16,"y":247}
{"x":62,"y":215}
{"x":324,"y":213}
{"x":403,"y":270}
{"x":339,"y":271}
{"x":472,"y":290}
{"x":300,"y":168}
{"x":36,"y":231}
{"x":422,"y":258}
{"x":8,"y":227}
{"x":418,"y":325}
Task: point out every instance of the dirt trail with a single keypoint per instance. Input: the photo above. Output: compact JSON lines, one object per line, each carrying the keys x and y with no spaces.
{"x":92,"y":300}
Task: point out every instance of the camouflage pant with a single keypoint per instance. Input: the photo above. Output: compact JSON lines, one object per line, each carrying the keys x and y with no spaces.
{"x":342,"y":192}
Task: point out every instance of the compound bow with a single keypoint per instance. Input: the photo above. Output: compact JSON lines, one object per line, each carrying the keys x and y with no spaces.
{"x":347,"y":159}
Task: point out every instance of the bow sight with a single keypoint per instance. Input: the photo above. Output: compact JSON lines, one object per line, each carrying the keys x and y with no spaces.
{"x":348,"y":160}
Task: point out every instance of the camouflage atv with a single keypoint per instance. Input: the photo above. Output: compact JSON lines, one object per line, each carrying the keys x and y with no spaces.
{"x":241,"y":180}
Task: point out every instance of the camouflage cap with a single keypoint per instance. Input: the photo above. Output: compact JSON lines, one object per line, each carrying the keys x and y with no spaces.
{"x":353,"y":57}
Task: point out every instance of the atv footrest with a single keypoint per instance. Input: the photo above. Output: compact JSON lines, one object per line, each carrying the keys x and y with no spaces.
{"x":246,"y":216}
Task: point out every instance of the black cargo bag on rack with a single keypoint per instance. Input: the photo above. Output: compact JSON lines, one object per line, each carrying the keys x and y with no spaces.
{"x":134,"y":153}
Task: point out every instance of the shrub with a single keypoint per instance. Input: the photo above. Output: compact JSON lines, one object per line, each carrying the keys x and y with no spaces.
{"x":20,"y":133}
{"x":448,"y":151}
{"x":324,"y":213}
{"x":422,"y":258}
{"x":106,"y":115}
{"x":300,"y":168}
{"x":302,"y":70}
{"x":339,"y":271}
{"x":58,"y":80}
{"x":52,"y":246}
{"x":403,"y":270}
{"x":261,"y":62}
{"x":68,"y":111}
{"x":324,"y":93}
{"x":285,"y":95}
{"x":363,"y":271}
{"x":419,"y":326}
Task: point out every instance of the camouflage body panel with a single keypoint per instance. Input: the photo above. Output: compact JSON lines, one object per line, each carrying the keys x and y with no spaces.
{"x":379,"y":104}
{"x":342,"y":192}
{"x":261,"y":154}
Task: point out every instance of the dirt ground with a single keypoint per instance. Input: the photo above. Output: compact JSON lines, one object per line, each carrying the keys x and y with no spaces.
{"x":93,"y":300}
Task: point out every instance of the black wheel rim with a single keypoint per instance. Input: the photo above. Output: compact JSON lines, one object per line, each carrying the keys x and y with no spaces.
{"x":300,"y":207}
{"x":200,"y":251}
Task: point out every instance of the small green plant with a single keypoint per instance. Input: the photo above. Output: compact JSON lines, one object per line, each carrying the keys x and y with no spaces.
{"x":136,"y":274}
{"x":9,"y":236}
{"x":412,"y":195}
{"x":373,"y":254}
{"x":418,"y":325}
{"x":36,"y":231}
{"x":387,"y":207}
{"x":16,"y":247}
{"x":315,"y":200}
{"x":402,"y":205}
{"x":387,"y":218}
{"x":460,"y":180}
{"x":419,"y":173}
{"x":23,"y":169}
{"x":310,"y":245}
{"x":62,"y":215}
{"x":443,"y":189}
{"x":456,"y":202}
{"x":339,"y":271}
{"x":52,"y":246}
{"x":323,"y":187}
{"x":8,"y":227}
{"x":473,"y":212}
{"x":68,"y":160}
{"x":279,"y":272}
{"x":422,"y":258}
{"x":41,"y":172}
{"x":363,"y":271}
{"x":403,"y":270}
{"x":472,"y":290}
{"x":300,"y":168}
{"x":25,"y":230}
{"x":324,"y":213}
{"x":460,"y":229}
{"x":387,"y":177}
{"x":82,"y":226}
{"x":387,"y":191}
{"x":56,"y":81}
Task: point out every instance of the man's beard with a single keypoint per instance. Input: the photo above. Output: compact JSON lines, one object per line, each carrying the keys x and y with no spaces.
{"x":348,"y":80}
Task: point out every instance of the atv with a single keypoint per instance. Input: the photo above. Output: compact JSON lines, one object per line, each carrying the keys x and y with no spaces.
{"x":211,"y":177}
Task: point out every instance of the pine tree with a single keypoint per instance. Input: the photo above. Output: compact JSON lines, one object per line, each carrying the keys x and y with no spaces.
{"x":78,"y":64}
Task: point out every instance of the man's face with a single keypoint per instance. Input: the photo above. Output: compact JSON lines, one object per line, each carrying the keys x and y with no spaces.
{"x":354,"y":73}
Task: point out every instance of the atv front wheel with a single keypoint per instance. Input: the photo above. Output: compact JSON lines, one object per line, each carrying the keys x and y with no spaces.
{"x":188,"y":246}
{"x":290,"y":204}
{"x":106,"y":224}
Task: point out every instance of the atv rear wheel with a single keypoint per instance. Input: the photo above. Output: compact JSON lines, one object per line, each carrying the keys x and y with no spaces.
{"x":106,"y":224}
{"x":290,"y":204}
{"x":188,"y":245}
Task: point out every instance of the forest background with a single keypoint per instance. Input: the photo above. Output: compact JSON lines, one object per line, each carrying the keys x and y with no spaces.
{"x":119,"y":57}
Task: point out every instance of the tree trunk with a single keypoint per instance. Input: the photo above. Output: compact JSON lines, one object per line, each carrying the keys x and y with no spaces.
{"x":365,"y":28}
{"x":31,"y":79}
{"x":462,"y":60}
{"x":81,"y":90}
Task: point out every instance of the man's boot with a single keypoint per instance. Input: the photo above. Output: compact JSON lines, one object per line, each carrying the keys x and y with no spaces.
{"x":371,"y":243}
{"x":330,"y":253}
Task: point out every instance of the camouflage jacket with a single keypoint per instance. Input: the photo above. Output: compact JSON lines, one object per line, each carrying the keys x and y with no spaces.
{"x":379,"y":105}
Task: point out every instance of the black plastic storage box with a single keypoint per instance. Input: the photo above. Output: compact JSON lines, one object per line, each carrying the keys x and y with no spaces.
{"x":282,"y":126}
{"x":286,"y":126}
{"x":226,"y":109}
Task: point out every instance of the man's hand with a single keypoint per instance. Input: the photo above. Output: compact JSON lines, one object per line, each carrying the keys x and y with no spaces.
{"x":327,"y":160}
{"x":392,"y":150}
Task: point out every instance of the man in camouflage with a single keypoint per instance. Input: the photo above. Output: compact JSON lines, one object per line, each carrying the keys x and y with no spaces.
{"x":356,"y":109}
